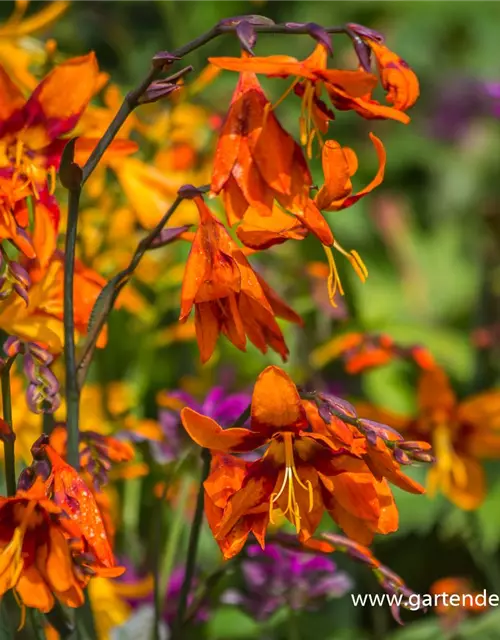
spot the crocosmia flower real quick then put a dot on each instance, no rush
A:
(461, 433)
(227, 294)
(305, 470)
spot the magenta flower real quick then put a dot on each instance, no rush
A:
(278, 577)
(222, 407)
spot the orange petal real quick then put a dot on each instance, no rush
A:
(66, 91)
(337, 172)
(253, 496)
(34, 591)
(59, 564)
(312, 218)
(355, 83)
(278, 65)
(379, 176)
(12, 96)
(275, 402)
(208, 328)
(259, 232)
(369, 109)
(435, 395)
(472, 494)
(207, 433)
(398, 79)
(235, 204)
(117, 149)
(273, 153)
(278, 305)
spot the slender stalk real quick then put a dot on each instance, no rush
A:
(113, 288)
(72, 389)
(8, 440)
(174, 536)
(192, 550)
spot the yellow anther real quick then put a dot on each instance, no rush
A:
(334, 283)
(291, 476)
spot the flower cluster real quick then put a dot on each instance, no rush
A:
(284, 453)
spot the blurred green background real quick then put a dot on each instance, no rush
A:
(429, 235)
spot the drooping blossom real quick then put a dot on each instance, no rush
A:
(228, 296)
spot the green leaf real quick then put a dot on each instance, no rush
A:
(231, 623)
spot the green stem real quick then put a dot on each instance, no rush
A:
(8, 440)
(72, 389)
(293, 625)
(174, 536)
(58, 619)
(192, 550)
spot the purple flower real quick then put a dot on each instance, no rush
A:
(460, 102)
(224, 409)
(138, 592)
(278, 577)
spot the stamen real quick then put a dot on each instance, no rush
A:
(22, 607)
(19, 152)
(292, 507)
(286, 94)
(333, 277)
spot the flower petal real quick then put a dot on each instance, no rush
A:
(276, 403)
(207, 433)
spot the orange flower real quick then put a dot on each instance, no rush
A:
(31, 130)
(41, 319)
(461, 434)
(303, 471)
(13, 192)
(258, 163)
(339, 165)
(227, 294)
(43, 553)
(69, 491)
(399, 81)
(311, 75)
(35, 556)
(468, 598)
